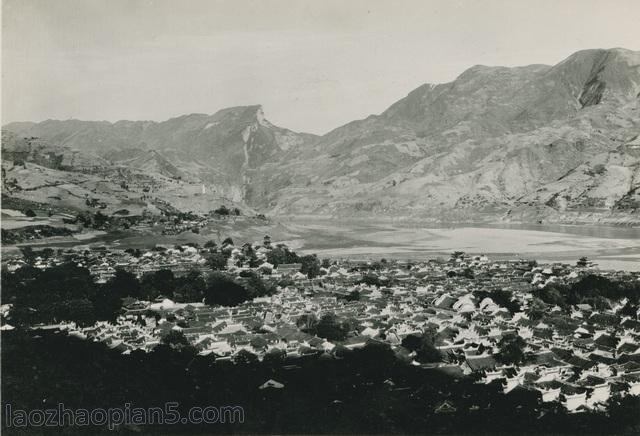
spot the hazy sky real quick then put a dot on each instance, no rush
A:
(313, 65)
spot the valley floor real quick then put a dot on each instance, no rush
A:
(611, 247)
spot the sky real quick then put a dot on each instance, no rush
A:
(313, 65)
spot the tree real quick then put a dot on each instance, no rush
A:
(124, 284)
(375, 359)
(274, 357)
(258, 343)
(217, 261)
(372, 280)
(266, 241)
(630, 310)
(536, 310)
(331, 328)
(282, 254)
(244, 357)
(353, 296)
(427, 351)
(222, 289)
(80, 310)
(211, 245)
(30, 213)
(190, 287)
(135, 252)
(457, 255)
(412, 342)
(307, 322)
(157, 283)
(28, 254)
(100, 220)
(310, 266)
(501, 297)
(583, 262)
(222, 210)
(255, 286)
(624, 413)
(468, 273)
(249, 255)
(176, 340)
(511, 349)
(107, 304)
(61, 293)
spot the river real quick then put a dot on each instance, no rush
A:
(610, 247)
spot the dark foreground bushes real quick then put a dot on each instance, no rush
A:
(363, 391)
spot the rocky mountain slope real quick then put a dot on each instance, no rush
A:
(551, 143)
(562, 139)
(220, 149)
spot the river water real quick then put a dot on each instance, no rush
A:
(610, 247)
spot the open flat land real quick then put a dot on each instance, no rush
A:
(611, 248)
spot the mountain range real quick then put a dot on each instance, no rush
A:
(534, 143)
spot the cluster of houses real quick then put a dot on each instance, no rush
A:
(103, 262)
(579, 358)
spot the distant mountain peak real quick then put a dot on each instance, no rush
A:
(548, 138)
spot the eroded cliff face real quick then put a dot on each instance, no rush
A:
(526, 143)
(222, 150)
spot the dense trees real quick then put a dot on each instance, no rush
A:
(190, 287)
(373, 280)
(256, 287)
(222, 210)
(217, 261)
(65, 292)
(158, 283)
(124, 284)
(511, 349)
(266, 241)
(330, 327)
(224, 290)
(310, 264)
(591, 289)
(412, 342)
(28, 254)
(29, 233)
(536, 309)
(320, 395)
(307, 322)
(68, 292)
(501, 297)
(424, 346)
(281, 254)
(176, 340)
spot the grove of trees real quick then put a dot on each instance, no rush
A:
(68, 292)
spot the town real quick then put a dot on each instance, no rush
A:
(570, 334)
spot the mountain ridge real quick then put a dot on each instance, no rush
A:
(495, 140)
